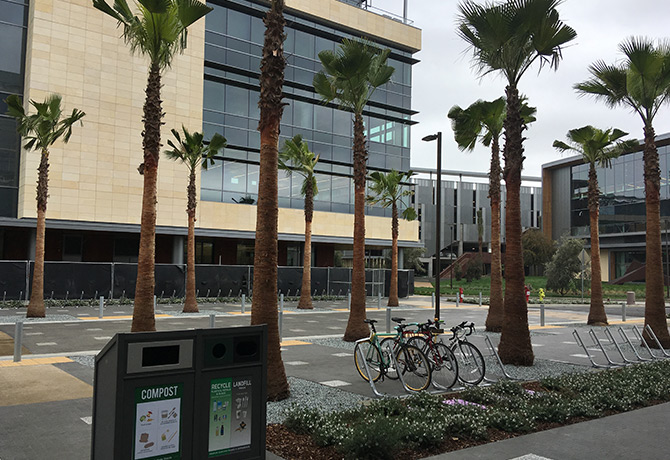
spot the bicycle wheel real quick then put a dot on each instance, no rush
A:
(415, 368)
(444, 366)
(366, 351)
(420, 342)
(392, 345)
(471, 367)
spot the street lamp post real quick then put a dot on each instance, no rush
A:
(438, 218)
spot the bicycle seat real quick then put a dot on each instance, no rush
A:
(397, 319)
(370, 321)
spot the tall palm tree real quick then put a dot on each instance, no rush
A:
(352, 73)
(597, 147)
(264, 303)
(387, 189)
(509, 38)
(483, 121)
(41, 130)
(159, 32)
(193, 153)
(642, 83)
(296, 157)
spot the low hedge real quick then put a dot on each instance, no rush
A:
(389, 425)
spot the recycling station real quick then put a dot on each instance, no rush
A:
(193, 394)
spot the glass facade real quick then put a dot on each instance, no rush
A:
(13, 20)
(233, 46)
(622, 202)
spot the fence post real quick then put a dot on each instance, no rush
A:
(18, 337)
(102, 306)
(242, 306)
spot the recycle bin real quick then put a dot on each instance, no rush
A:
(230, 393)
(195, 394)
(142, 396)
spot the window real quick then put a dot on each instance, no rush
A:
(72, 248)
(126, 249)
(204, 252)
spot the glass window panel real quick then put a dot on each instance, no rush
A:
(239, 25)
(254, 140)
(11, 40)
(340, 189)
(342, 123)
(342, 154)
(323, 118)
(234, 176)
(11, 12)
(257, 30)
(289, 42)
(304, 44)
(210, 195)
(254, 110)
(618, 178)
(236, 136)
(323, 183)
(9, 138)
(238, 58)
(216, 19)
(323, 44)
(210, 129)
(306, 77)
(212, 176)
(252, 179)
(213, 95)
(283, 184)
(237, 101)
(236, 121)
(302, 114)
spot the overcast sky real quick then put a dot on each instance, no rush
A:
(445, 78)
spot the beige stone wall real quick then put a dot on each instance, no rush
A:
(230, 216)
(355, 18)
(77, 51)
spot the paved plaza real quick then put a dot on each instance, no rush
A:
(45, 402)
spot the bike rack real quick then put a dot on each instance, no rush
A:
(500, 363)
(644, 342)
(580, 343)
(608, 333)
(653, 336)
(596, 341)
(630, 344)
(367, 370)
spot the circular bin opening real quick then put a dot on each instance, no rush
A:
(219, 350)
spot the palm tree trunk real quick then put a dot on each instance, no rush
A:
(190, 302)
(356, 328)
(36, 305)
(654, 307)
(305, 291)
(494, 319)
(264, 299)
(143, 312)
(597, 315)
(393, 289)
(515, 347)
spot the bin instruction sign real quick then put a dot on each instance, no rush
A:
(229, 415)
(157, 422)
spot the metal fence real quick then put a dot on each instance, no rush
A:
(87, 280)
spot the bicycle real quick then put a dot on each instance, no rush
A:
(443, 361)
(471, 366)
(412, 363)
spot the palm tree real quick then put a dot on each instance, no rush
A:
(41, 130)
(483, 121)
(642, 83)
(352, 73)
(509, 38)
(296, 157)
(159, 32)
(387, 189)
(597, 147)
(264, 303)
(193, 153)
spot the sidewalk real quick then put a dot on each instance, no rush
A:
(45, 403)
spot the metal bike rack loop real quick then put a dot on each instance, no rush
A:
(608, 333)
(495, 353)
(630, 344)
(653, 336)
(597, 342)
(579, 341)
(636, 331)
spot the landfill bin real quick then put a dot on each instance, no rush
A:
(195, 394)
(230, 401)
(142, 397)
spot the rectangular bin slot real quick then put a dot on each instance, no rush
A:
(246, 349)
(160, 356)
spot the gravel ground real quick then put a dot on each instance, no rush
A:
(49, 318)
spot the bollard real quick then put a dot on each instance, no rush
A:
(242, 306)
(281, 302)
(388, 320)
(480, 298)
(432, 301)
(379, 301)
(18, 337)
(154, 303)
(281, 322)
(81, 296)
(541, 314)
(207, 296)
(349, 297)
(218, 294)
(458, 298)
(623, 312)
(212, 320)
(102, 306)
